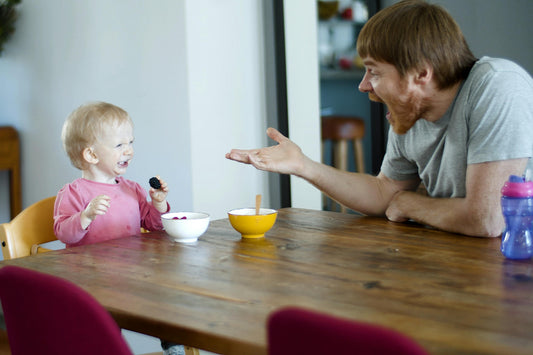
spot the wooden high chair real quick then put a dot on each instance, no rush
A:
(10, 160)
(342, 130)
(28, 230)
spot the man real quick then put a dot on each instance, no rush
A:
(458, 124)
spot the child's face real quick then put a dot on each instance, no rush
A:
(114, 151)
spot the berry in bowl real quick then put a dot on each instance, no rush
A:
(185, 227)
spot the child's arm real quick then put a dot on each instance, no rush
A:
(97, 206)
(71, 204)
(159, 196)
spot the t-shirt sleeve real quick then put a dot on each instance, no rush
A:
(501, 117)
(67, 211)
(395, 165)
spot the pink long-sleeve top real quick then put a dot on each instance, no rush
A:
(129, 211)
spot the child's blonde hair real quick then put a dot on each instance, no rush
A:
(84, 126)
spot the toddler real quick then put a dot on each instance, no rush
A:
(102, 205)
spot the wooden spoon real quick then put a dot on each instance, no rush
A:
(257, 203)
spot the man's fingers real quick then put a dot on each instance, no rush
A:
(274, 134)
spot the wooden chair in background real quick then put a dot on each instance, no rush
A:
(343, 131)
(10, 160)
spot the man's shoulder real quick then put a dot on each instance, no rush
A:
(492, 66)
(494, 77)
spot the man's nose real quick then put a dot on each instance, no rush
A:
(364, 85)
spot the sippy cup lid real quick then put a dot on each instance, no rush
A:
(517, 186)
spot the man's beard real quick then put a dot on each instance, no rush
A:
(403, 116)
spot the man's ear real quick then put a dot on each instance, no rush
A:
(90, 156)
(424, 74)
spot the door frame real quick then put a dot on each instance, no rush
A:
(279, 94)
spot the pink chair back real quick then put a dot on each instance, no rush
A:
(48, 315)
(293, 330)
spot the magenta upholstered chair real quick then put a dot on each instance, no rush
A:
(293, 330)
(47, 315)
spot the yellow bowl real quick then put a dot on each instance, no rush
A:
(250, 225)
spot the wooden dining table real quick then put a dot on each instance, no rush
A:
(453, 294)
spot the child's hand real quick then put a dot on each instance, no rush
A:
(159, 196)
(97, 206)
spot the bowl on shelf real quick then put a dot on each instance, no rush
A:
(251, 225)
(185, 227)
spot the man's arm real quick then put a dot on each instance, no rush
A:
(477, 214)
(364, 193)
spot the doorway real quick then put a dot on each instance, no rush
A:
(280, 16)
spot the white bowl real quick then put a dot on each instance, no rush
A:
(188, 229)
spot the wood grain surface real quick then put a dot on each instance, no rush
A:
(453, 294)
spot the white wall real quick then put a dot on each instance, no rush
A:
(65, 53)
(303, 101)
(496, 28)
(189, 73)
(226, 87)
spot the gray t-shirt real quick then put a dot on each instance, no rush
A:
(490, 119)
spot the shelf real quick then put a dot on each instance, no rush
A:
(341, 74)
(335, 21)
